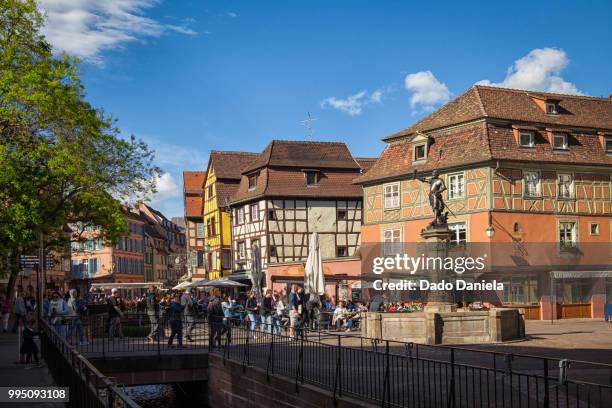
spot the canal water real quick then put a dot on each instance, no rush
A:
(162, 396)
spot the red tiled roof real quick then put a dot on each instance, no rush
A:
(466, 145)
(481, 101)
(291, 182)
(229, 165)
(365, 162)
(225, 191)
(306, 154)
(193, 181)
(193, 206)
(483, 141)
(281, 171)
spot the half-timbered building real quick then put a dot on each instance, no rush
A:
(290, 190)
(223, 175)
(521, 168)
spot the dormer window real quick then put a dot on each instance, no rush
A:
(526, 139)
(608, 145)
(312, 177)
(552, 108)
(560, 141)
(420, 152)
(253, 181)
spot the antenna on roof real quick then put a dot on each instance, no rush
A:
(308, 124)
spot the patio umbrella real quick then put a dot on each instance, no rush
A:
(218, 283)
(256, 273)
(314, 281)
(199, 283)
(182, 285)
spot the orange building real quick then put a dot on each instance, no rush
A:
(93, 261)
(528, 174)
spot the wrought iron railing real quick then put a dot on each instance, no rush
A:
(88, 387)
(388, 373)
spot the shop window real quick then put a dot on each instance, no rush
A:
(520, 290)
(573, 291)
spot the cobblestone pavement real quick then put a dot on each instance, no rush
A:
(14, 374)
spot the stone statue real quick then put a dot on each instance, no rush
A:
(436, 188)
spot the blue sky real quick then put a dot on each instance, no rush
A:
(191, 76)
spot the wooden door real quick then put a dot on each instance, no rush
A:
(572, 311)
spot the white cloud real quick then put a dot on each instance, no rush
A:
(167, 188)
(376, 96)
(426, 90)
(353, 104)
(540, 70)
(231, 14)
(85, 28)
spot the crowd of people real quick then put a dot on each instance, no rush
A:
(63, 312)
(173, 315)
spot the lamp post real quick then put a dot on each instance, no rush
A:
(490, 231)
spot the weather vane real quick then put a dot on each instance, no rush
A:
(308, 124)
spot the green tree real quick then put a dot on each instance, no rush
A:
(61, 160)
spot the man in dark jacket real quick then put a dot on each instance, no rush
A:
(175, 312)
(152, 307)
(215, 317)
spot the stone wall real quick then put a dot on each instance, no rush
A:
(463, 327)
(232, 386)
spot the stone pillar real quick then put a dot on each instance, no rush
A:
(437, 239)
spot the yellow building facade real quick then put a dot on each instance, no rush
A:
(222, 180)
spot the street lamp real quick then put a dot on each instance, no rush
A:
(490, 231)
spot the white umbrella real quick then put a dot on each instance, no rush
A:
(182, 285)
(256, 273)
(314, 281)
(198, 283)
(219, 283)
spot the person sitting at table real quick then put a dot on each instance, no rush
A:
(355, 316)
(328, 304)
(340, 315)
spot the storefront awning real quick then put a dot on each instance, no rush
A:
(580, 274)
